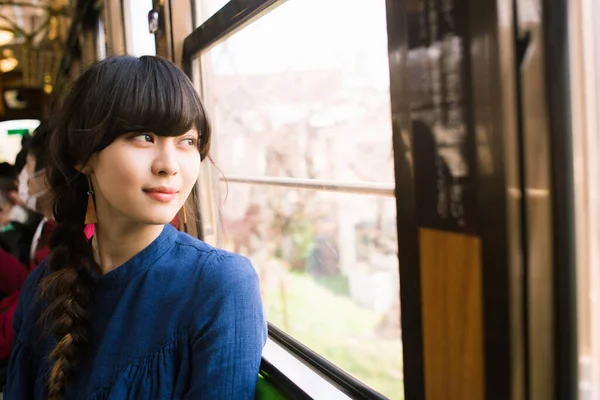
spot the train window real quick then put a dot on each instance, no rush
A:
(139, 41)
(209, 209)
(100, 40)
(585, 108)
(206, 9)
(303, 137)
(11, 133)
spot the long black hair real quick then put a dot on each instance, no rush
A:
(116, 96)
(37, 145)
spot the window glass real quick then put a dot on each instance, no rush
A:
(585, 78)
(206, 8)
(328, 268)
(139, 40)
(317, 98)
(594, 290)
(11, 134)
(100, 40)
(312, 105)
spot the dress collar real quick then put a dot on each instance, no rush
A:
(140, 262)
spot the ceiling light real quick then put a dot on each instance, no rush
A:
(6, 36)
(13, 100)
(52, 28)
(8, 62)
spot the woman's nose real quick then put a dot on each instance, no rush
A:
(166, 162)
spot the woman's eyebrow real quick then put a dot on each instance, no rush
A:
(190, 133)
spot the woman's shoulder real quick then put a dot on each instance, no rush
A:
(211, 266)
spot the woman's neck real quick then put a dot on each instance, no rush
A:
(114, 245)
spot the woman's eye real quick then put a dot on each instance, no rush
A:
(190, 141)
(144, 137)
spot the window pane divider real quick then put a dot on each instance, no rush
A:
(363, 188)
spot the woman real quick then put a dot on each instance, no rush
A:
(141, 310)
(13, 270)
(11, 209)
(25, 245)
(27, 241)
(7, 190)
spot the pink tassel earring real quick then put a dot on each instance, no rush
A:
(90, 212)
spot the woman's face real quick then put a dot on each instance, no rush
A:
(144, 178)
(37, 192)
(5, 208)
(35, 182)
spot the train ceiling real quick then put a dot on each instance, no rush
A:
(32, 41)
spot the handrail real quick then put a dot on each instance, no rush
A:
(367, 188)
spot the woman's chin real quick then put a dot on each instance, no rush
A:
(159, 218)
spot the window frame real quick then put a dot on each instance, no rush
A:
(230, 19)
(128, 31)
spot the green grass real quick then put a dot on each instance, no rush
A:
(340, 330)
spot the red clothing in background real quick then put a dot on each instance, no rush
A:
(12, 277)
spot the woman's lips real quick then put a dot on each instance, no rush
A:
(162, 194)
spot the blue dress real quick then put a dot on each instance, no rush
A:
(180, 320)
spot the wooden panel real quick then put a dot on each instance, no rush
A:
(113, 24)
(452, 315)
(2, 111)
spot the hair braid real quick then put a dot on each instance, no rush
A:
(68, 288)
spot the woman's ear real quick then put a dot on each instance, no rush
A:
(86, 168)
(80, 167)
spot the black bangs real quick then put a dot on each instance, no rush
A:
(157, 97)
(147, 94)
